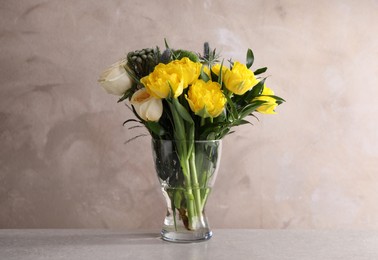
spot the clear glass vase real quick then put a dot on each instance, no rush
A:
(186, 171)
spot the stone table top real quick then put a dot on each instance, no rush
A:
(226, 244)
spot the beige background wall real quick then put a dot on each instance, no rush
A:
(63, 161)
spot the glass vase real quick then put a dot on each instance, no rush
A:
(186, 172)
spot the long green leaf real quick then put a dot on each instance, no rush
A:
(248, 109)
(234, 112)
(166, 43)
(177, 199)
(135, 137)
(220, 78)
(255, 91)
(131, 120)
(278, 99)
(182, 111)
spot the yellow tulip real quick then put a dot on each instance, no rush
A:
(216, 69)
(176, 75)
(206, 98)
(147, 107)
(270, 103)
(239, 79)
(160, 82)
(189, 70)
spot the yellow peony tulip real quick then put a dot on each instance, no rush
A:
(161, 80)
(206, 98)
(178, 75)
(190, 70)
(216, 69)
(270, 103)
(239, 79)
(147, 107)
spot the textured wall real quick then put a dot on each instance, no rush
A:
(63, 161)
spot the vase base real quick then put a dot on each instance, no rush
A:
(186, 237)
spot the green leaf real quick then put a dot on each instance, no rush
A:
(155, 128)
(131, 74)
(254, 117)
(250, 58)
(255, 91)
(135, 126)
(241, 122)
(234, 112)
(179, 54)
(125, 96)
(220, 78)
(135, 137)
(203, 113)
(248, 109)
(177, 199)
(182, 111)
(204, 76)
(278, 99)
(131, 120)
(260, 71)
(228, 132)
(166, 43)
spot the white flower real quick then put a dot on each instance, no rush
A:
(147, 107)
(115, 79)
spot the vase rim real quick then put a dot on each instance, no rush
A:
(187, 140)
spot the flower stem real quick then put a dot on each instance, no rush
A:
(195, 184)
(189, 191)
(184, 151)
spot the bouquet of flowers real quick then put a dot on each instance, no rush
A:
(188, 97)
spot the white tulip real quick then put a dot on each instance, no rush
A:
(147, 107)
(115, 80)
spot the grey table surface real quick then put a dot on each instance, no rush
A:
(225, 244)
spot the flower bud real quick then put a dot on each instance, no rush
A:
(239, 79)
(146, 106)
(115, 80)
(270, 103)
